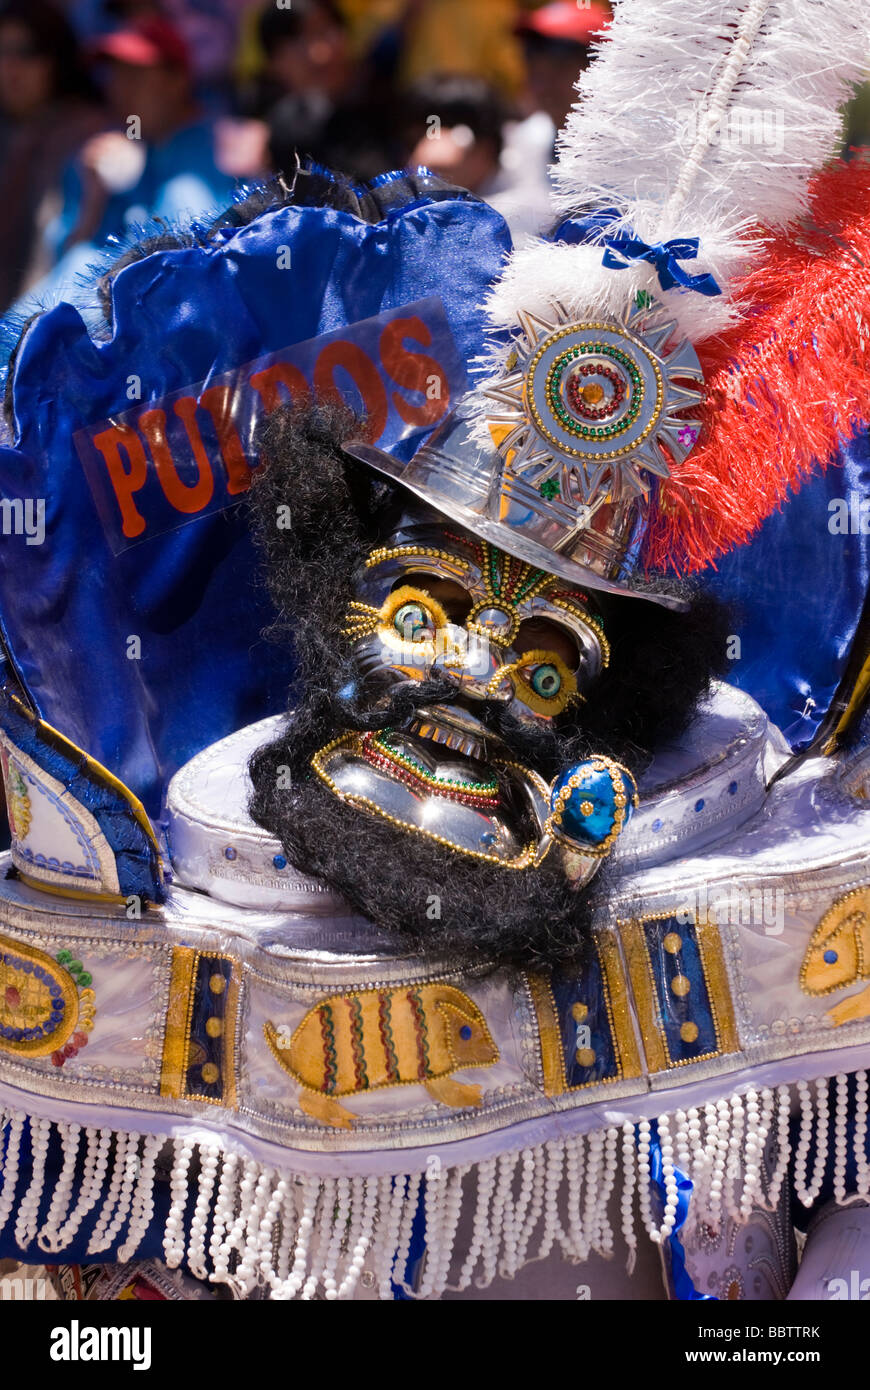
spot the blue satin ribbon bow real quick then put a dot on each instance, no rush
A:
(623, 249)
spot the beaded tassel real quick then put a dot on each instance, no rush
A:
(306, 1237)
(63, 1188)
(9, 1165)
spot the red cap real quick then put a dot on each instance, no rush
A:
(149, 43)
(566, 20)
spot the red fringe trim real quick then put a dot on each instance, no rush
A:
(784, 386)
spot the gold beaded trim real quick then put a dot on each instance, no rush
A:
(363, 621)
(579, 453)
(353, 743)
(554, 820)
(396, 552)
(854, 904)
(504, 638)
(619, 1020)
(401, 760)
(596, 628)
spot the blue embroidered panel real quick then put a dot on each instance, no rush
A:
(211, 990)
(591, 1031)
(677, 1010)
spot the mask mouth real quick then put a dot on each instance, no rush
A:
(456, 728)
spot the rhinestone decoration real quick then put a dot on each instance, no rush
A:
(596, 409)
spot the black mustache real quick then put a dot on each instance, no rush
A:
(548, 749)
(395, 712)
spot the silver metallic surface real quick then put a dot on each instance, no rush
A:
(503, 832)
(588, 532)
(470, 653)
(730, 741)
(769, 884)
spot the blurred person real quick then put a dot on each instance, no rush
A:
(316, 99)
(306, 55)
(475, 38)
(556, 41)
(160, 160)
(453, 125)
(47, 109)
(210, 28)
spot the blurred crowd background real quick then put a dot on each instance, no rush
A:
(114, 112)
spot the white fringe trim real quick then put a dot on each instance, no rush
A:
(243, 1223)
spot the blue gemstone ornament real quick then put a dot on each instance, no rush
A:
(584, 803)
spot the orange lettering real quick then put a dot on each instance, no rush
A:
(184, 497)
(218, 401)
(124, 481)
(268, 383)
(366, 378)
(413, 371)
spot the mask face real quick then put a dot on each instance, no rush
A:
(442, 604)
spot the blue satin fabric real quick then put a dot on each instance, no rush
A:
(676, 1010)
(69, 606)
(799, 592)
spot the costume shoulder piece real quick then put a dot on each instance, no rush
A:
(519, 914)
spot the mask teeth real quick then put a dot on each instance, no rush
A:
(450, 738)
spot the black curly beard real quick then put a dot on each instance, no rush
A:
(438, 902)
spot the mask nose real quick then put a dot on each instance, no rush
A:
(474, 661)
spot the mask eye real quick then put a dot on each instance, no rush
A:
(545, 680)
(410, 616)
(413, 622)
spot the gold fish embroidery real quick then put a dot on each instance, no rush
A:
(838, 955)
(350, 1043)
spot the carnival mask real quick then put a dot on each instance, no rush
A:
(441, 604)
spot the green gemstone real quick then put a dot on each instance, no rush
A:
(75, 966)
(63, 957)
(85, 979)
(549, 488)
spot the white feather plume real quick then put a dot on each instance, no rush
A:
(697, 118)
